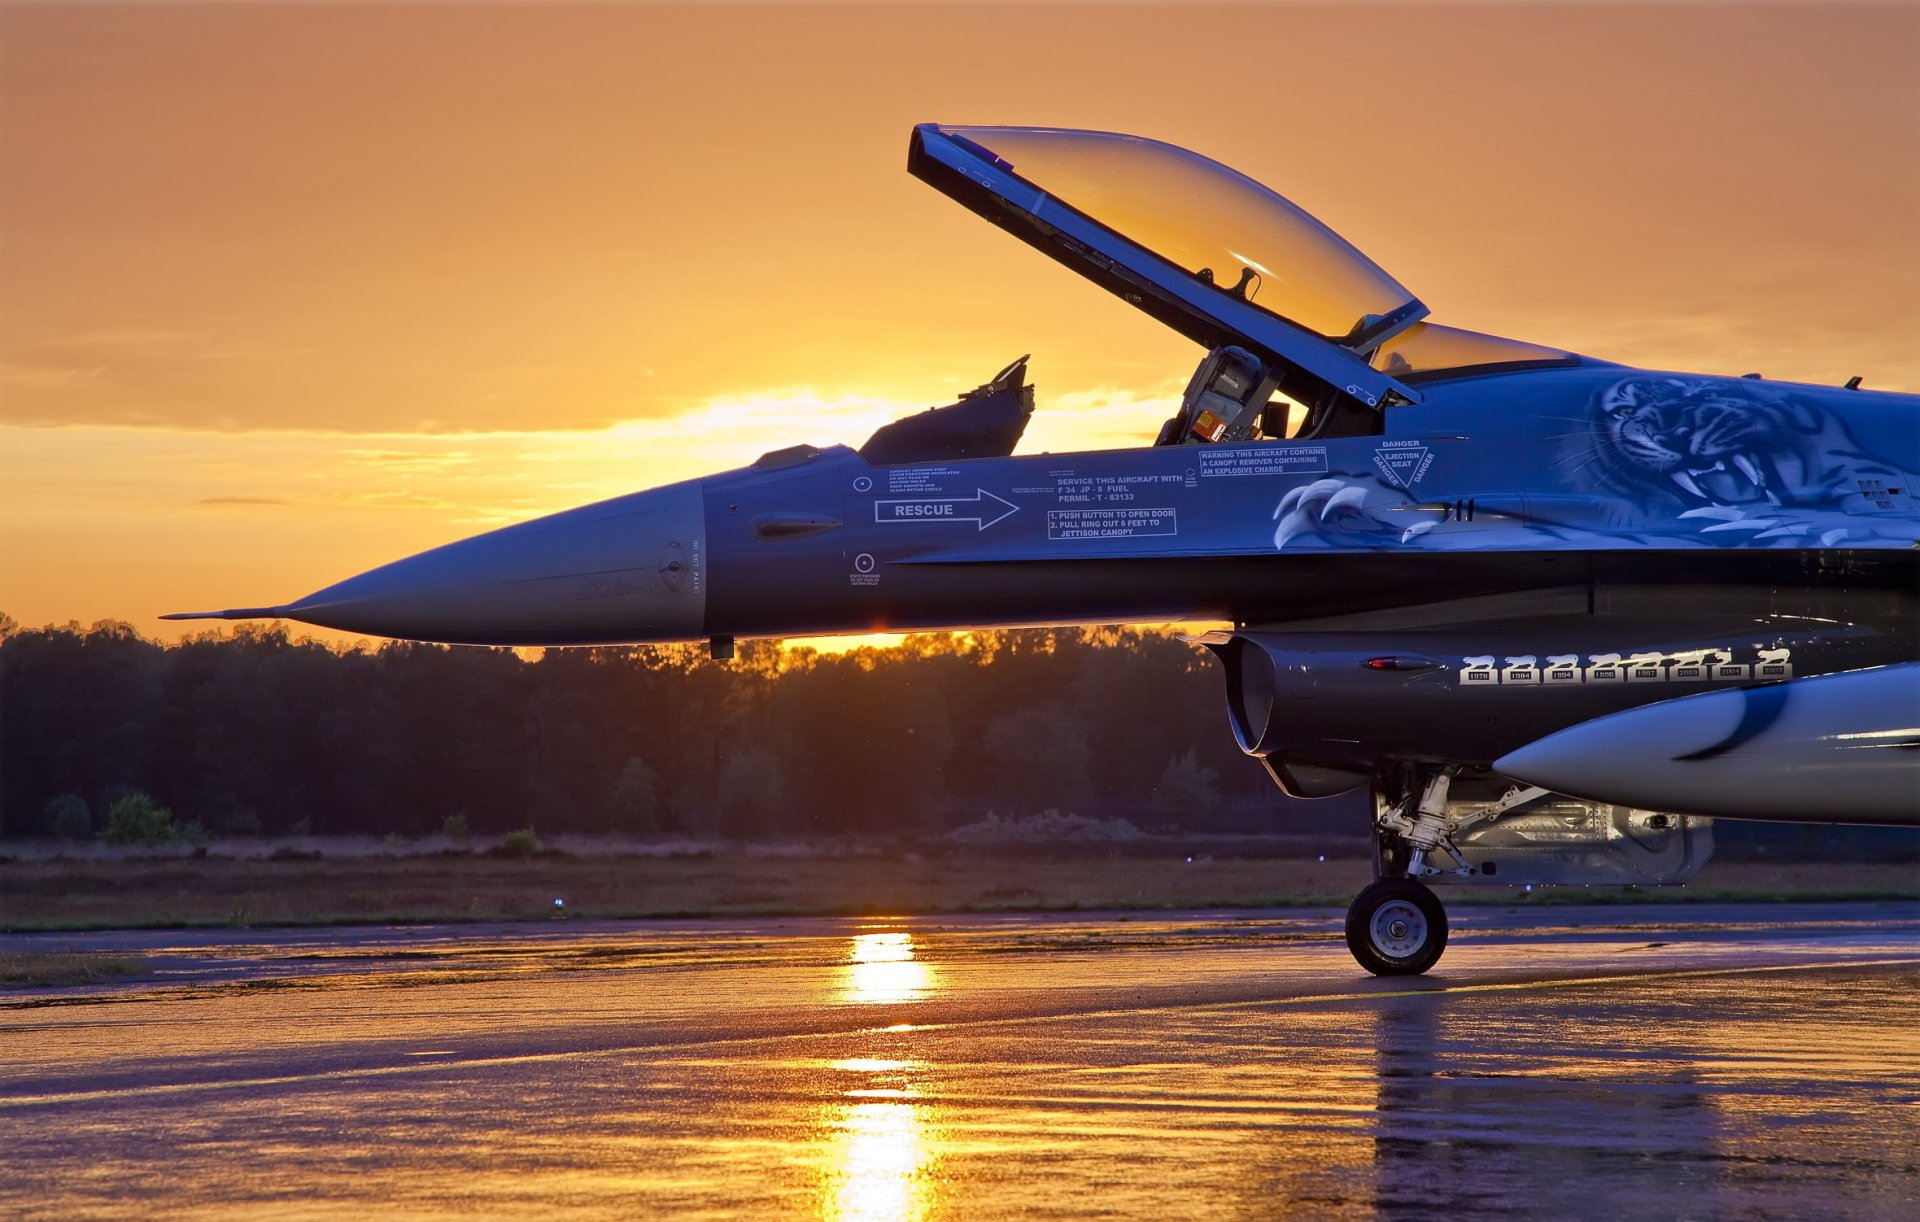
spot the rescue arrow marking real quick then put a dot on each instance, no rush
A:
(987, 509)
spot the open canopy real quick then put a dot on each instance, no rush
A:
(1209, 220)
(1202, 247)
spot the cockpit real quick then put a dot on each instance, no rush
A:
(1305, 336)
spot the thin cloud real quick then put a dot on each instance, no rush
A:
(407, 460)
(391, 500)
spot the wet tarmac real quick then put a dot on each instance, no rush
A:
(1688, 1061)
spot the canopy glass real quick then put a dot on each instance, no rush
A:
(1208, 219)
(1428, 348)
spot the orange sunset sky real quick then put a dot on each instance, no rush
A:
(288, 291)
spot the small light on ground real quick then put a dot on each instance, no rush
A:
(559, 903)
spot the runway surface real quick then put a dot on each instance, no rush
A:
(1686, 1061)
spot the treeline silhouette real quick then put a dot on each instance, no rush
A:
(260, 733)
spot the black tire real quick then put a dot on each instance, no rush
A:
(1396, 927)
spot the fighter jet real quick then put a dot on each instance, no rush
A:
(1553, 613)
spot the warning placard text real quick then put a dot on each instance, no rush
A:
(1110, 523)
(1264, 460)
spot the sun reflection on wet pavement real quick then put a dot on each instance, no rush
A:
(878, 1168)
(919, 1070)
(881, 970)
(880, 1160)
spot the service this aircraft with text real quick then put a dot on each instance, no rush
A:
(1554, 612)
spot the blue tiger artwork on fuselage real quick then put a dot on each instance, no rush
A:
(1650, 459)
(1552, 613)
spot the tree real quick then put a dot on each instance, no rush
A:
(253, 728)
(138, 819)
(1187, 787)
(751, 795)
(633, 806)
(1041, 757)
(78, 711)
(864, 738)
(66, 816)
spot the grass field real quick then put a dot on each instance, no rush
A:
(131, 892)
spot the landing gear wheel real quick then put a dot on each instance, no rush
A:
(1396, 927)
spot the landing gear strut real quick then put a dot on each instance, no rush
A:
(1396, 927)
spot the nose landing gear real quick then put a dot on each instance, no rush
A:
(1396, 927)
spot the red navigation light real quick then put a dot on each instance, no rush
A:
(1401, 662)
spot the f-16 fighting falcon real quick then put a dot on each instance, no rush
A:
(1555, 614)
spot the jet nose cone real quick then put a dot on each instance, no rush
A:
(628, 569)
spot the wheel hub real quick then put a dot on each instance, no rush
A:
(1399, 929)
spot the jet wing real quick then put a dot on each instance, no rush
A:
(1199, 246)
(1841, 748)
